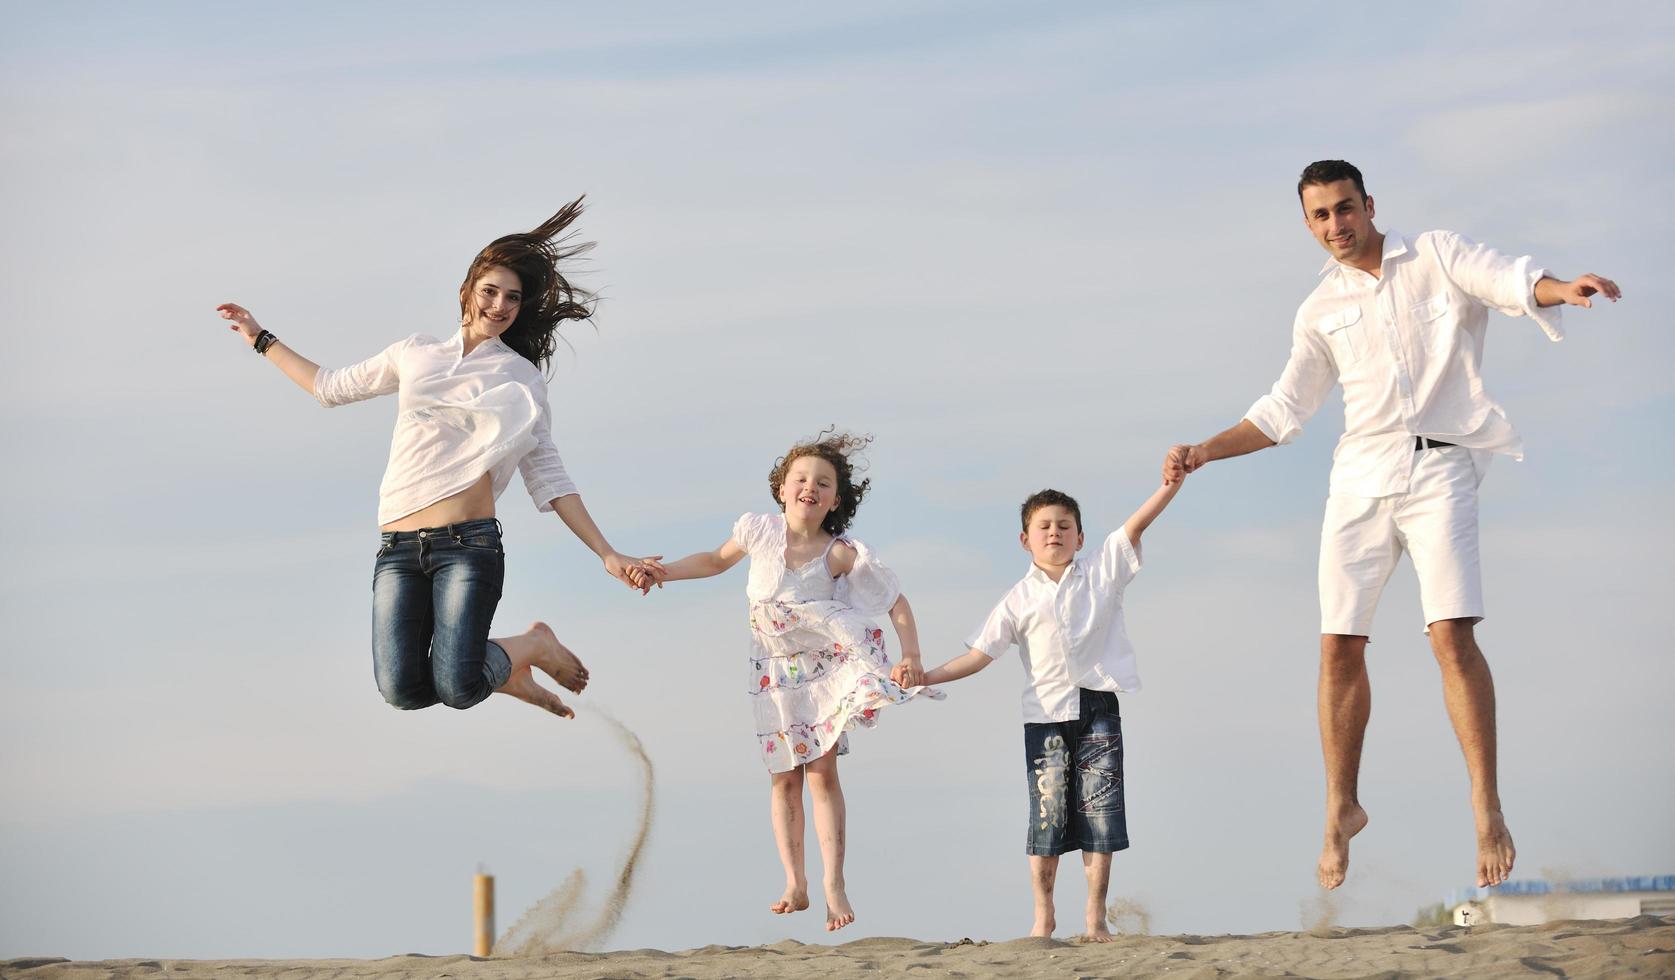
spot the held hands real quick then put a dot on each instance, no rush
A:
(909, 672)
(1577, 291)
(636, 573)
(240, 319)
(1182, 460)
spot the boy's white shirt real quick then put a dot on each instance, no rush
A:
(1070, 634)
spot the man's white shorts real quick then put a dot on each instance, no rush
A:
(1435, 522)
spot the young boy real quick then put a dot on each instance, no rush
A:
(1066, 619)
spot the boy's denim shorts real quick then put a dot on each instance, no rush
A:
(1075, 781)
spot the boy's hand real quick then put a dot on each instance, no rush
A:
(909, 673)
(1182, 460)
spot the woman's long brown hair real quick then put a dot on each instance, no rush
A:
(549, 297)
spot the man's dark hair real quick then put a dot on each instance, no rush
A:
(1050, 498)
(1330, 172)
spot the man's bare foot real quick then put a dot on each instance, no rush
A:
(1044, 924)
(1097, 932)
(1334, 855)
(522, 685)
(795, 899)
(556, 659)
(838, 912)
(1494, 850)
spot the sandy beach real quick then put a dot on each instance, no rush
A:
(1640, 947)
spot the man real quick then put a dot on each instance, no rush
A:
(1399, 323)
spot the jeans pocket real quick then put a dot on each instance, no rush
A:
(481, 542)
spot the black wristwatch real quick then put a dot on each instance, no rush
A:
(264, 340)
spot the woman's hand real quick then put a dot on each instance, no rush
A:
(636, 573)
(238, 318)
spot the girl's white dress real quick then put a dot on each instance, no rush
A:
(817, 661)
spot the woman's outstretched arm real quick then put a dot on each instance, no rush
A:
(636, 573)
(296, 367)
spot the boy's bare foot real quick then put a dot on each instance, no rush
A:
(556, 659)
(838, 912)
(522, 685)
(1334, 855)
(794, 900)
(1495, 852)
(1097, 932)
(1044, 924)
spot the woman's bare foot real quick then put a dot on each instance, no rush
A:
(556, 659)
(522, 685)
(1334, 855)
(838, 912)
(795, 899)
(1495, 852)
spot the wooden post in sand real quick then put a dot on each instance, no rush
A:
(482, 907)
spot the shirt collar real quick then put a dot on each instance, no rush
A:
(1037, 575)
(1394, 245)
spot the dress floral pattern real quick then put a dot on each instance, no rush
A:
(818, 664)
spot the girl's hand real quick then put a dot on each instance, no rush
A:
(908, 673)
(240, 319)
(636, 573)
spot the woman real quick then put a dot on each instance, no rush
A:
(472, 408)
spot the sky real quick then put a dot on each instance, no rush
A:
(1022, 246)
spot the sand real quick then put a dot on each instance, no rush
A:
(1638, 947)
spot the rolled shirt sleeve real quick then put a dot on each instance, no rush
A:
(998, 634)
(542, 469)
(379, 374)
(1496, 281)
(1302, 387)
(1119, 560)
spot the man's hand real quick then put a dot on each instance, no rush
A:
(1577, 292)
(1182, 460)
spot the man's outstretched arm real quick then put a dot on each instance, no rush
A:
(1241, 439)
(1576, 292)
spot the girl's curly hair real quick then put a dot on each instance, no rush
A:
(548, 296)
(840, 449)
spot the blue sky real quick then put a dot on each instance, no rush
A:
(1020, 248)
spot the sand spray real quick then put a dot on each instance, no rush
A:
(1129, 917)
(1319, 914)
(557, 922)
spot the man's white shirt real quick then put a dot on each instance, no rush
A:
(1407, 346)
(1070, 634)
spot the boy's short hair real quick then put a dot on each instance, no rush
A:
(1050, 498)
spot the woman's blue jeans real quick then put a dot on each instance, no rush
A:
(433, 597)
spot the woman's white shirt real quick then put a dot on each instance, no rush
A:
(458, 416)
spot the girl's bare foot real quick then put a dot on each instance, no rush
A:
(1495, 852)
(795, 899)
(1334, 855)
(838, 912)
(521, 685)
(556, 659)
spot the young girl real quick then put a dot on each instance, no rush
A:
(817, 662)
(471, 409)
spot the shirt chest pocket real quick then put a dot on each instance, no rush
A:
(1345, 332)
(1432, 322)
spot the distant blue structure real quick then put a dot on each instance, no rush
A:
(1526, 902)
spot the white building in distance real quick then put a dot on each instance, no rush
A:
(1530, 903)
